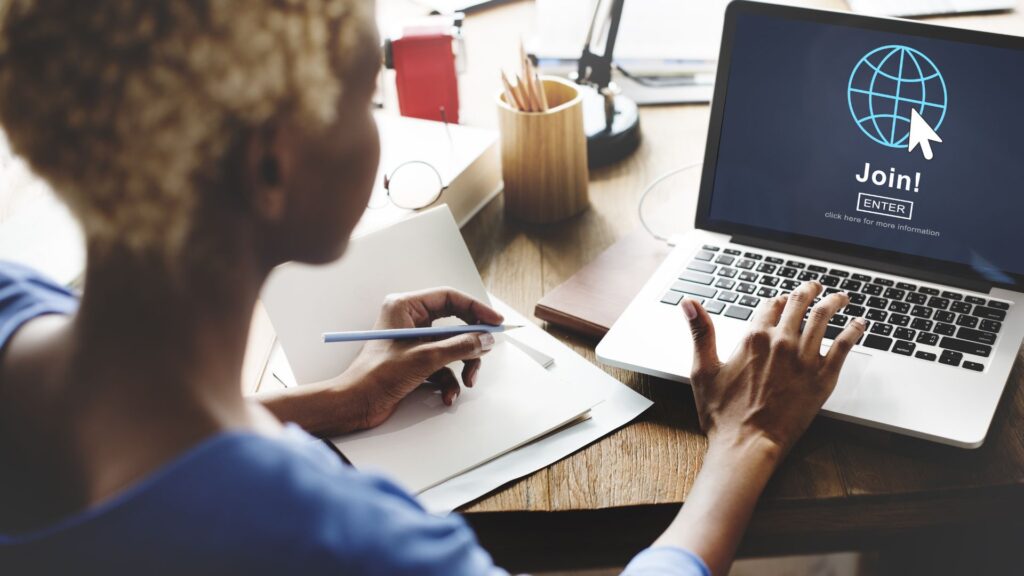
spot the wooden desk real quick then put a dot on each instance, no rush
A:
(843, 487)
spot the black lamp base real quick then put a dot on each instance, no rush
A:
(607, 145)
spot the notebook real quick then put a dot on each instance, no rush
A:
(423, 443)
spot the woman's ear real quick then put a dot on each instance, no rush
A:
(265, 164)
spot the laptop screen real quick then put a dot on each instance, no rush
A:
(833, 129)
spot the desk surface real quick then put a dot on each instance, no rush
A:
(842, 485)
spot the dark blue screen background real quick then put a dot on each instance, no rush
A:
(790, 149)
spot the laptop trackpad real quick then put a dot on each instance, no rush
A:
(854, 372)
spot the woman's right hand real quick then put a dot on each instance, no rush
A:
(777, 380)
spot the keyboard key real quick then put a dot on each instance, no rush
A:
(921, 312)
(696, 277)
(746, 264)
(816, 268)
(728, 297)
(694, 289)
(725, 283)
(725, 260)
(732, 251)
(773, 260)
(748, 277)
(770, 280)
(928, 291)
(832, 281)
(901, 307)
(829, 291)
(710, 247)
(975, 300)
(854, 310)
(998, 305)
(746, 288)
(940, 303)
(876, 315)
(876, 302)
(904, 348)
(974, 366)
(788, 272)
(753, 255)
(767, 268)
(832, 332)
(951, 358)
(838, 320)
(925, 356)
(899, 319)
(807, 276)
(881, 329)
(857, 298)
(978, 336)
(989, 313)
(789, 285)
(795, 264)
(904, 334)
(906, 286)
(714, 306)
(704, 255)
(927, 339)
(861, 277)
(952, 295)
(850, 285)
(969, 321)
(877, 342)
(944, 329)
(965, 346)
(840, 273)
(872, 289)
(767, 292)
(884, 282)
(917, 298)
(728, 272)
(738, 312)
(990, 325)
(921, 324)
(895, 293)
(960, 307)
(945, 316)
(705, 267)
(750, 301)
(673, 298)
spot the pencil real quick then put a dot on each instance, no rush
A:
(510, 94)
(540, 92)
(413, 333)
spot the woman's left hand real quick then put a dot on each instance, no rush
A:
(386, 371)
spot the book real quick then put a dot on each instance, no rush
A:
(590, 301)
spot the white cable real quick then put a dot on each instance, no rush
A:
(651, 186)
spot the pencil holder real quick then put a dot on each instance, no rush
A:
(544, 156)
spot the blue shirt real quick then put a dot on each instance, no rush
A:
(244, 503)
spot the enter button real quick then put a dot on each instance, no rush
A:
(885, 206)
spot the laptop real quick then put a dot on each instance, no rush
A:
(884, 158)
(918, 8)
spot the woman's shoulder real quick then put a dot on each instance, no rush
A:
(26, 294)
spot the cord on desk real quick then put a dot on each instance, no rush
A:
(647, 191)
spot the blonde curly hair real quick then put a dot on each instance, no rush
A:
(129, 108)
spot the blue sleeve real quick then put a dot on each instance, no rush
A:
(666, 561)
(25, 294)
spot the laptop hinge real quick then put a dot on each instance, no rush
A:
(889, 268)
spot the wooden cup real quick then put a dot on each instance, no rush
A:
(544, 156)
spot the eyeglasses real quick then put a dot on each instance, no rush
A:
(415, 184)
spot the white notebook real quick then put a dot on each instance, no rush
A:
(424, 442)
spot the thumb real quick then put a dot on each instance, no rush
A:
(462, 347)
(705, 350)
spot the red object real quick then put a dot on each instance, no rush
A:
(426, 76)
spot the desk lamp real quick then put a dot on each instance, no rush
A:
(611, 120)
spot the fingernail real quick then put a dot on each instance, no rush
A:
(689, 309)
(486, 341)
(861, 323)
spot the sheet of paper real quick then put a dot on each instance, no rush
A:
(425, 443)
(620, 406)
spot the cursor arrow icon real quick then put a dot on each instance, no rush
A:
(921, 134)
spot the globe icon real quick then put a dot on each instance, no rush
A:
(887, 85)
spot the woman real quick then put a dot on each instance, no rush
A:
(201, 143)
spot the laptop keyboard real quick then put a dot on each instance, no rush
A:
(932, 324)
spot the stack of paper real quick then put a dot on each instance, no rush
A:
(449, 455)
